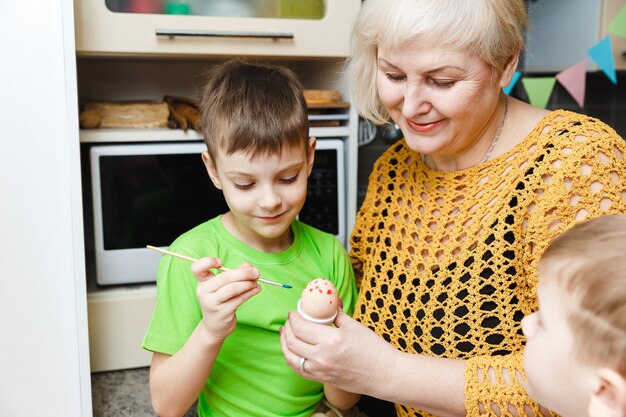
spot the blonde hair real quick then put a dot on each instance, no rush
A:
(257, 108)
(589, 263)
(492, 29)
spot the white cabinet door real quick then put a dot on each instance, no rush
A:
(44, 365)
(560, 33)
(99, 31)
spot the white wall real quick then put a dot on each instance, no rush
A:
(44, 368)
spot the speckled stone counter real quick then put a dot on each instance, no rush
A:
(124, 394)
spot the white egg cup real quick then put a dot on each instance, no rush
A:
(327, 322)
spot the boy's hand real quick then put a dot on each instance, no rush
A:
(220, 295)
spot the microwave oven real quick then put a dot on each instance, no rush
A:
(150, 193)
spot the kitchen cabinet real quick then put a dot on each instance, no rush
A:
(120, 58)
(560, 34)
(101, 31)
(610, 9)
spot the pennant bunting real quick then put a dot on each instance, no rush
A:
(573, 79)
(618, 24)
(602, 54)
(508, 88)
(539, 90)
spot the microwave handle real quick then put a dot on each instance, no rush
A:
(223, 34)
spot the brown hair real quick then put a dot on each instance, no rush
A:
(589, 263)
(492, 29)
(257, 108)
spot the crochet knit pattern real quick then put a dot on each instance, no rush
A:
(446, 261)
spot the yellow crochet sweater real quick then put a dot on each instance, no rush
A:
(446, 260)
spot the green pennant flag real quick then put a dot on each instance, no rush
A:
(539, 90)
(618, 24)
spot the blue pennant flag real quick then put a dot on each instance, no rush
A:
(602, 54)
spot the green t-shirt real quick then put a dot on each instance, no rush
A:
(250, 376)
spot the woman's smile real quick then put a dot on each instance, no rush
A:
(424, 127)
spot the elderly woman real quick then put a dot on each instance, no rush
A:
(456, 214)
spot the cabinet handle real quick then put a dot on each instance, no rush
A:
(223, 34)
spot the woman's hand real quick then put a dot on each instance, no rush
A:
(349, 356)
(221, 294)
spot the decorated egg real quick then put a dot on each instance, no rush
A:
(319, 301)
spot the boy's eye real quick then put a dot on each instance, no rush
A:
(289, 180)
(243, 186)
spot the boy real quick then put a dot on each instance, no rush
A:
(575, 355)
(215, 336)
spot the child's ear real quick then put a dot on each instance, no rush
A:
(211, 170)
(311, 154)
(609, 400)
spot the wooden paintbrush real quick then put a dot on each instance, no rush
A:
(187, 258)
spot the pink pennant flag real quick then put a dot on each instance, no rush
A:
(573, 80)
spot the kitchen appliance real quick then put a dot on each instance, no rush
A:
(150, 193)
